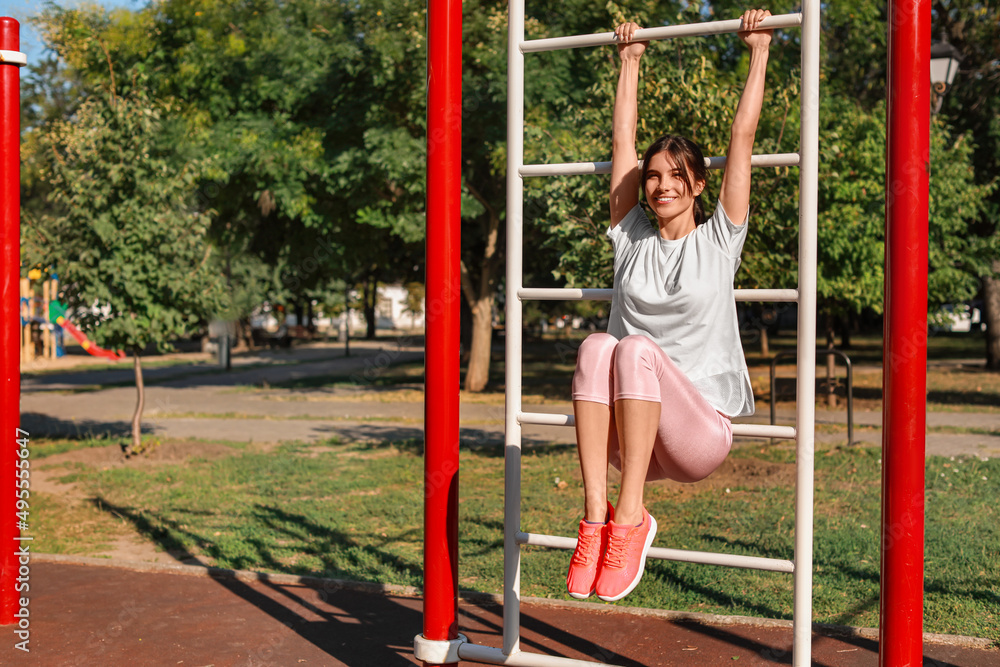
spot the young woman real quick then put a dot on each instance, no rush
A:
(655, 394)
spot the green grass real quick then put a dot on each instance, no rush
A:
(867, 348)
(354, 511)
(124, 364)
(71, 528)
(45, 447)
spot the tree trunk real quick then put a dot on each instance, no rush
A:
(478, 374)
(991, 315)
(370, 297)
(347, 321)
(765, 347)
(846, 325)
(480, 297)
(132, 448)
(244, 334)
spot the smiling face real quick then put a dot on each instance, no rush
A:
(669, 188)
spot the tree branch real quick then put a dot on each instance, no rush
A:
(111, 69)
(468, 289)
(491, 254)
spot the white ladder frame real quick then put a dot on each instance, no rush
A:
(805, 295)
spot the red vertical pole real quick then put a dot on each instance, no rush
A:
(10, 295)
(905, 347)
(444, 178)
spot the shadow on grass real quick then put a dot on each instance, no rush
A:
(161, 531)
(484, 443)
(963, 398)
(338, 551)
(969, 590)
(784, 388)
(783, 552)
(42, 425)
(365, 638)
(483, 547)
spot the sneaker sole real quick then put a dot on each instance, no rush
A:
(642, 564)
(580, 596)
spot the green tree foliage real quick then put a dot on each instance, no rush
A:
(122, 231)
(308, 121)
(288, 100)
(688, 87)
(691, 87)
(972, 106)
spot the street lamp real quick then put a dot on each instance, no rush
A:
(944, 66)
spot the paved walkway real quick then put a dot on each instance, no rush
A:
(203, 402)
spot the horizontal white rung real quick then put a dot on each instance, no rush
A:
(703, 557)
(769, 295)
(584, 168)
(13, 57)
(764, 431)
(663, 32)
(545, 418)
(563, 294)
(575, 294)
(748, 430)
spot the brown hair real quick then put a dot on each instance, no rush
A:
(683, 151)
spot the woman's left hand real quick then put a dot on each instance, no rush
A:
(748, 32)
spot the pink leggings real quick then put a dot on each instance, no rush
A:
(692, 440)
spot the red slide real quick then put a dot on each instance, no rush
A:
(86, 343)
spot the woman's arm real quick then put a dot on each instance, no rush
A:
(624, 161)
(735, 192)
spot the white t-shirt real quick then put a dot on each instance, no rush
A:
(680, 294)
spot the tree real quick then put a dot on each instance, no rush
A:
(692, 86)
(972, 106)
(285, 99)
(122, 231)
(556, 84)
(415, 293)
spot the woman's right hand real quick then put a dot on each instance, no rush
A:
(626, 47)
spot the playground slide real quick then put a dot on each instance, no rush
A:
(86, 343)
(57, 314)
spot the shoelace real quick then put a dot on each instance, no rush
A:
(618, 549)
(585, 548)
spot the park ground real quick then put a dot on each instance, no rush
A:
(306, 463)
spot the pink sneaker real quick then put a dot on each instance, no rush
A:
(625, 558)
(592, 539)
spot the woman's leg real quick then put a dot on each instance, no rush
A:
(692, 439)
(593, 426)
(637, 416)
(594, 423)
(665, 429)
(637, 421)
(637, 412)
(592, 407)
